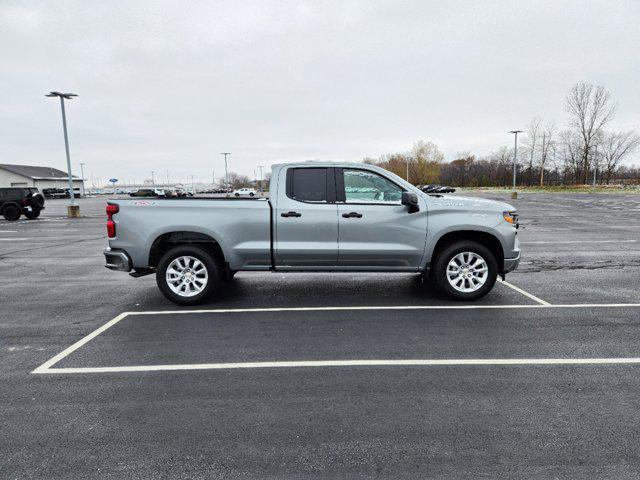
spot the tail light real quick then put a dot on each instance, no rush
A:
(111, 225)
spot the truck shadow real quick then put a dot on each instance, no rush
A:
(273, 290)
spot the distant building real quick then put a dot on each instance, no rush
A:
(40, 177)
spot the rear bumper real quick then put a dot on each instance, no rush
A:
(117, 260)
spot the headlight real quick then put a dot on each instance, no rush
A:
(510, 217)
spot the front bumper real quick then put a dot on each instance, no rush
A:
(117, 260)
(510, 264)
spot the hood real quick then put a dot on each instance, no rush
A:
(468, 203)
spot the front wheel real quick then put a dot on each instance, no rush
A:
(187, 275)
(465, 270)
(32, 215)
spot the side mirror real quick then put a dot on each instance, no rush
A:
(411, 200)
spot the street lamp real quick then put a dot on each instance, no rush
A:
(226, 173)
(73, 210)
(153, 179)
(514, 194)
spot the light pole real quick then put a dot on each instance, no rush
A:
(407, 169)
(260, 167)
(514, 194)
(82, 174)
(193, 188)
(153, 179)
(73, 210)
(226, 173)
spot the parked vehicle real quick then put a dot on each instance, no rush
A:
(241, 192)
(434, 188)
(147, 192)
(53, 193)
(170, 193)
(319, 217)
(17, 201)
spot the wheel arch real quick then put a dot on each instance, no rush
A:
(8, 204)
(168, 240)
(489, 240)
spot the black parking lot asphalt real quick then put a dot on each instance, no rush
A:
(521, 420)
(246, 338)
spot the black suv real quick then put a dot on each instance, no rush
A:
(16, 201)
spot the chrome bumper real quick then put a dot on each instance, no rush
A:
(117, 260)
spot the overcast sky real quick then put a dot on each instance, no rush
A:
(166, 86)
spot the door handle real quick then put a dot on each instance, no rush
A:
(291, 214)
(352, 215)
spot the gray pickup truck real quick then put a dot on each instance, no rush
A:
(319, 217)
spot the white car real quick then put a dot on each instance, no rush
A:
(251, 192)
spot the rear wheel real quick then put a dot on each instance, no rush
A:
(11, 213)
(32, 215)
(187, 275)
(465, 270)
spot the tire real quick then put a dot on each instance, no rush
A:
(11, 213)
(38, 199)
(252, 194)
(181, 260)
(33, 214)
(466, 284)
(237, 194)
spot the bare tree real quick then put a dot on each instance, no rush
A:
(423, 163)
(571, 151)
(615, 147)
(547, 147)
(531, 145)
(235, 181)
(590, 109)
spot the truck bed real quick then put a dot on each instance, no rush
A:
(241, 226)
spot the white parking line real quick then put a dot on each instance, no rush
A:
(385, 307)
(46, 367)
(577, 241)
(348, 363)
(526, 294)
(68, 351)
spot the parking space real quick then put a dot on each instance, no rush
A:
(330, 337)
(359, 375)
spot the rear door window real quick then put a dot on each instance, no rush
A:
(309, 185)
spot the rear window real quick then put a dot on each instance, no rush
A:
(11, 193)
(307, 184)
